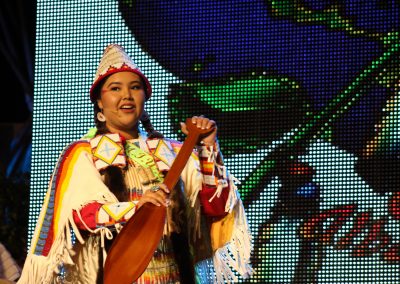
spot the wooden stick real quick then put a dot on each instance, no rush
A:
(135, 245)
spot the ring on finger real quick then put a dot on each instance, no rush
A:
(155, 188)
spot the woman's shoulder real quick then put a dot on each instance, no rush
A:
(83, 142)
(78, 143)
(77, 146)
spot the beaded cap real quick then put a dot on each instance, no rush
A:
(115, 60)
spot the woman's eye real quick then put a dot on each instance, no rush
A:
(115, 89)
(136, 87)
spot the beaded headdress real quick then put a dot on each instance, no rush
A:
(115, 60)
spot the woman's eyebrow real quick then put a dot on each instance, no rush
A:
(114, 82)
(120, 83)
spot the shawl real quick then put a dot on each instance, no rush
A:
(76, 182)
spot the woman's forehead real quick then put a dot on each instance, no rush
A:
(124, 76)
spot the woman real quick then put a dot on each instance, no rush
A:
(101, 180)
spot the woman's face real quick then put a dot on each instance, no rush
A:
(121, 99)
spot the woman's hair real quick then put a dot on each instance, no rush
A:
(113, 176)
(145, 119)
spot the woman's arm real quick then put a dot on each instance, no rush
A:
(95, 215)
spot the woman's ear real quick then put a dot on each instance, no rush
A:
(99, 104)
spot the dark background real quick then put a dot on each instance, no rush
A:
(17, 46)
(17, 49)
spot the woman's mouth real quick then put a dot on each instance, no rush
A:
(127, 108)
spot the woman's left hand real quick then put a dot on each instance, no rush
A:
(204, 123)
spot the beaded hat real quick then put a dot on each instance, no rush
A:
(115, 60)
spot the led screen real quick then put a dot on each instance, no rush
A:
(305, 94)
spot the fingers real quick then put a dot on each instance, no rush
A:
(158, 187)
(184, 128)
(164, 188)
(157, 195)
(203, 122)
(153, 198)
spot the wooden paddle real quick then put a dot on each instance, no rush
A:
(134, 246)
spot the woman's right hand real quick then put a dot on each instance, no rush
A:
(157, 195)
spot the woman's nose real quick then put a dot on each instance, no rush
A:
(127, 94)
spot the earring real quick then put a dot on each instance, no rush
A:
(101, 117)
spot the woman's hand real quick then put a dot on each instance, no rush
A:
(204, 123)
(157, 195)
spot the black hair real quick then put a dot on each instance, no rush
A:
(114, 176)
(145, 119)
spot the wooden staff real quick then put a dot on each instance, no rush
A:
(136, 243)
